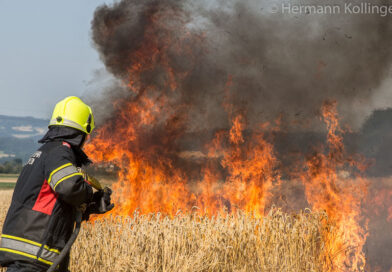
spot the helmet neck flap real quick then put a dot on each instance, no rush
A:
(74, 137)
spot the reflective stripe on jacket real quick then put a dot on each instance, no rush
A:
(27, 248)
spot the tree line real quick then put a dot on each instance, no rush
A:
(13, 166)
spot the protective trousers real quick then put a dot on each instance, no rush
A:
(20, 266)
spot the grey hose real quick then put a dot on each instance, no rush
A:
(69, 244)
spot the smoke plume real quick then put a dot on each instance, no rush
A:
(279, 63)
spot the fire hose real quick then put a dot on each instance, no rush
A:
(104, 207)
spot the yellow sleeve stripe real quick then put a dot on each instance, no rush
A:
(26, 255)
(67, 177)
(21, 239)
(56, 170)
(29, 242)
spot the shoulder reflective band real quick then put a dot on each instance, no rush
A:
(67, 122)
(62, 173)
(27, 248)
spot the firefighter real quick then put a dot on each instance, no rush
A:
(49, 191)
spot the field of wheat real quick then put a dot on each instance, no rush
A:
(279, 242)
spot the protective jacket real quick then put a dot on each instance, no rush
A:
(40, 219)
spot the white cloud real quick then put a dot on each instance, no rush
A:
(23, 128)
(36, 131)
(22, 136)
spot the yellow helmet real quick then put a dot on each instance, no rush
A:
(73, 112)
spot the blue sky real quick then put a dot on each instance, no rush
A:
(46, 53)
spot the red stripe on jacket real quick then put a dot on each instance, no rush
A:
(46, 199)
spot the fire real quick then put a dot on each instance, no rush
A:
(340, 197)
(238, 169)
(251, 171)
(150, 183)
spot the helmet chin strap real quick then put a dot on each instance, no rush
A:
(84, 139)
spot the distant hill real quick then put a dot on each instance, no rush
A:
(19, 136)
(22, 127)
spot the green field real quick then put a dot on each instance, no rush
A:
(7, 185)
(7, 181)
(8, 176)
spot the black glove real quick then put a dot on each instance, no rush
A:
(100, 204)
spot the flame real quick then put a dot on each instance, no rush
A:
(251, 172)
(326, 189)
(150, 183)
(239, 167)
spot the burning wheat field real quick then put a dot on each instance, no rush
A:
(233, 132)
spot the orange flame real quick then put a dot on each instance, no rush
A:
(327, 188)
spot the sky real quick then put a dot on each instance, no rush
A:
(46, 53)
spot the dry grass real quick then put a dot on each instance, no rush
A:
(280, 242)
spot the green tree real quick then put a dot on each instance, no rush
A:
(11, 167)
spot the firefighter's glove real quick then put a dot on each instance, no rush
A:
(102, 201)
(100, 204)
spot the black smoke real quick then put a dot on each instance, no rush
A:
(280, 63)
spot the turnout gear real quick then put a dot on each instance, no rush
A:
(41, 216)
(73, 112)
(39, 227)
(21, 267)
